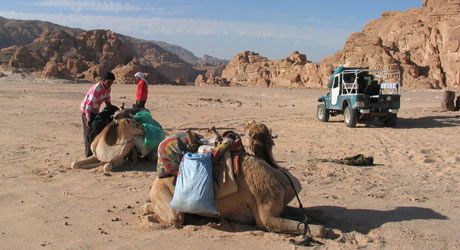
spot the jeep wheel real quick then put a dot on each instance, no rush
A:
(391, 120)
(322, 113)
(350, 116)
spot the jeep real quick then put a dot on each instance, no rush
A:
(361, 94)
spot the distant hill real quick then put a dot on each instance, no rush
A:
(23, 32)
(57, 51)
(191, 58)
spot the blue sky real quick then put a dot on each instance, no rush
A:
(219, 28)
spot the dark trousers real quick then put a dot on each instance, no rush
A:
(88, 134)
(140, 104)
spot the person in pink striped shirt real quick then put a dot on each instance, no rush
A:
(96, 95)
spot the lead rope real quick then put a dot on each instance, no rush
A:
(307, 239)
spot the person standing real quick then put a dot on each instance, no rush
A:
(96, 95)
(142, 90)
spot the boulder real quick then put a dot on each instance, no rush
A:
(448, 101)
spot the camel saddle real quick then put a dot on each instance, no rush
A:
(230, 151)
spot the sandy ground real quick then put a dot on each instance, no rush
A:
(410, 200)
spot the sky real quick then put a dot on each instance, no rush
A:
(220, 28)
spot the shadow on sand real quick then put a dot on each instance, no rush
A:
(142, 165)
(364, 220)
(410, 123)
(428, 122)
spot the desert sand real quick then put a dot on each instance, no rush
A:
(409, 200)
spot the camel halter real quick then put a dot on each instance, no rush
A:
(307, 238)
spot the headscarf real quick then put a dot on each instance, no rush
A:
(141, 75)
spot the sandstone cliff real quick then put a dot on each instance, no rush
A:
(249, 68)
(423, 43)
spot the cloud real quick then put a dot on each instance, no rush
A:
(95, 5)
(272, 39)
(148, 26)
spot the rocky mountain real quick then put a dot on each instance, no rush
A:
(424, 43)
(57, 51)
(23, 32)
(191, 58)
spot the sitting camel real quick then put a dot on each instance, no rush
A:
(262, 196)
(112, 145)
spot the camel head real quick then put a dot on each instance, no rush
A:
(123, 128)
(123, 114)
(258, 140)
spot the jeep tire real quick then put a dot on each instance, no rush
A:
(322, 113)
(350, 116)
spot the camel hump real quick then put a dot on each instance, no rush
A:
(111, 133)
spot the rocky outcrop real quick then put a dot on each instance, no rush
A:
(56, 51)
(125, 73)
(423, 43)
(203, 81)
(250, 68)
(58, 54)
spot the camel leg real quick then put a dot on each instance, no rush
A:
(281, 225)
(267, 217)
(108, 167)
(140, 146)
(133, 155)
(90, 162)
(160, 197)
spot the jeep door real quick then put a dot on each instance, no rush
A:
(335, 91)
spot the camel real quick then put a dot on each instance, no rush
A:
(113, 144)
(262, 196)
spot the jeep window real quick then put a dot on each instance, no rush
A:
(349, 78)
(336, 82)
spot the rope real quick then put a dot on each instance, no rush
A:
(307, 239)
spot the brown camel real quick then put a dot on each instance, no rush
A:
(112, 145)
(262, 196)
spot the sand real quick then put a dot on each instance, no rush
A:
(409, 200)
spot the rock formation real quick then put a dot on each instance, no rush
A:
(57, 51)
(202, 81)
(250, 68)
(423, 43)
